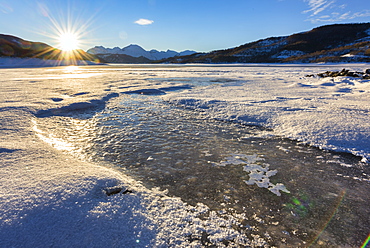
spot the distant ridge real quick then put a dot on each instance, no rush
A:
(329, 43)
(12, 46)
(134, 51)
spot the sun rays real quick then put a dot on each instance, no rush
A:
(68, 34)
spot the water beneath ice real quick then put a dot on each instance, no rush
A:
(290, 194)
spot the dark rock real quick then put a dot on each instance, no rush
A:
(342, 73)
(352, 74)
(367, 71)
(116, 190)
(336, 74)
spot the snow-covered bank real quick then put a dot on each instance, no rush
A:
(49, 198)
(330, 113)
(6, 62)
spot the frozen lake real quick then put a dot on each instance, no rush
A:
(237, 139)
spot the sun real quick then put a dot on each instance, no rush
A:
(68, 41)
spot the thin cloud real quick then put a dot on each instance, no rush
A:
(336, 17)
(6, 8)
(318, 6)
(318, 14)
(144, 22)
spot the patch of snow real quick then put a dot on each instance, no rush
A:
(258, 174)
(263, 47)
(348, 55)
(270, 41)
(288, 53)
(368, 32)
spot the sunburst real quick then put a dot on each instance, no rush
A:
(68, 34)
(68, 42)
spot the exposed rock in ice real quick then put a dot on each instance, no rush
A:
(116, 190)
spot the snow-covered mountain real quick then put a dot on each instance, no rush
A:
(137, 51)
(330, 43)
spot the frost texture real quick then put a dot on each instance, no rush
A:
(258, 174)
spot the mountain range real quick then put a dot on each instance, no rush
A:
(135, 51)
(329, 43)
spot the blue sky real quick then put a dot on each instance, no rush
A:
(201, 25)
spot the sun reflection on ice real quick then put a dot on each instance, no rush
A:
(57, 143)
(74, 71)
(71, 69)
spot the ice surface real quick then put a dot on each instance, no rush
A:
(49, 198)
(331, 113)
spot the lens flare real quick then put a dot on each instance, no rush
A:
(331, 216)
(366, 242)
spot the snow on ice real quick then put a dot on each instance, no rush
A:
(258, 173)
(330, 113)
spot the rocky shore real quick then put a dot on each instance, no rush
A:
(343, 73)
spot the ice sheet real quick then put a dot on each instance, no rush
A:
(330, 113)
(51, 199)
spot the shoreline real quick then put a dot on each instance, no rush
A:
(13, 63)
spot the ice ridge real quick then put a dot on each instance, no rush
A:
(96, 104)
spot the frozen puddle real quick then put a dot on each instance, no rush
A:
(281, 192)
